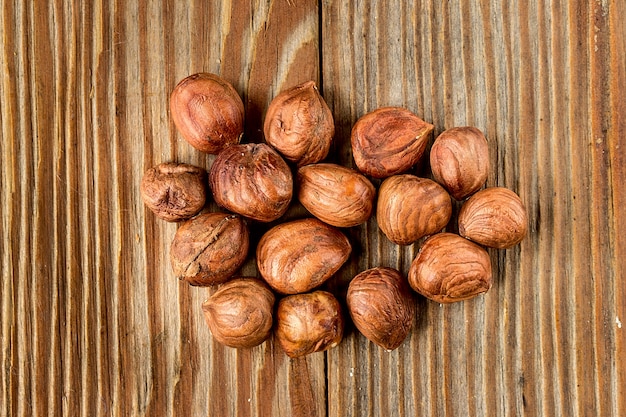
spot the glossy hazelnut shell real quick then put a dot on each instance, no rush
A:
(494, 217)
(174, 192)
(297, 256)
(335, 194)
(382, 306)
(239, 314)
(459, 160)
(207, 111)
(308, 323)
(389, 141)
(299, 124)
(209, 248)
(252, 180)
(449, 268)
(410, 208)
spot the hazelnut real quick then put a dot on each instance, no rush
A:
(209, 248)
(388, 141)
(297, 256)
(382, 306)
(252, 180)
(299, 124)
(410, 208)
(494, 217)
(207, 111)
(308, 323)
(335, 194)
(239, 313)
(174, 192)
(459, 160)
(450, 268)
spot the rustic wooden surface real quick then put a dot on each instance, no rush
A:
(94, 323)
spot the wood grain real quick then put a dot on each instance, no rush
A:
(95, 324)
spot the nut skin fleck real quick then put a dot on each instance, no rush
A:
(449, 268)
(239, 313)
(494, 217)
(308, 323)
(209, 248)
(389, 141)
(297, 256)
(207, 111)
(410, 208)
(382, 306)
(459, 160)
(174, 192)
(335, 194)
(299, 124)
(252, 180)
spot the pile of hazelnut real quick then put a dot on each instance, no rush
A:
(255, 183)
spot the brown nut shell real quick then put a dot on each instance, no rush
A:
(411, 207)
(174, 192)
(299, 124)
(382, 306)
(335, 194)
(252, 180)
(207, 111)
(459, 160)
(450, 268)
(389, 141)
(209, 248)
(239, 313)
(308, 323)
(297, 256)
(494, 217)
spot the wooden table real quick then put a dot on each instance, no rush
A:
(94, 322)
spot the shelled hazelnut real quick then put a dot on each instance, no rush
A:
(252, 180)
(239, 313)
(335, 194)
(389, 141)
(308, 323)
(459, 160)
(207, 111)
(410, 208)
(450, 268)
(382, 306)
(174, 192)
(209, 248)
(299, 124)
(300, 255)
(494, 217)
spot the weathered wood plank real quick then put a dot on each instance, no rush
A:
(538, 343)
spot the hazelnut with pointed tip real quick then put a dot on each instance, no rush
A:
(299, 124)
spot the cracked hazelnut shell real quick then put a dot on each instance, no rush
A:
(252, 180)
(449, 268)
(207, 111)
(388, 141)
(410, 208)
(494, 217)
(459, 160)
(335, 194)
(239, 314)
(174, 192)
(382, 306)
(308, 323)
(299, 124)
(297, 256)
(209, 248)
